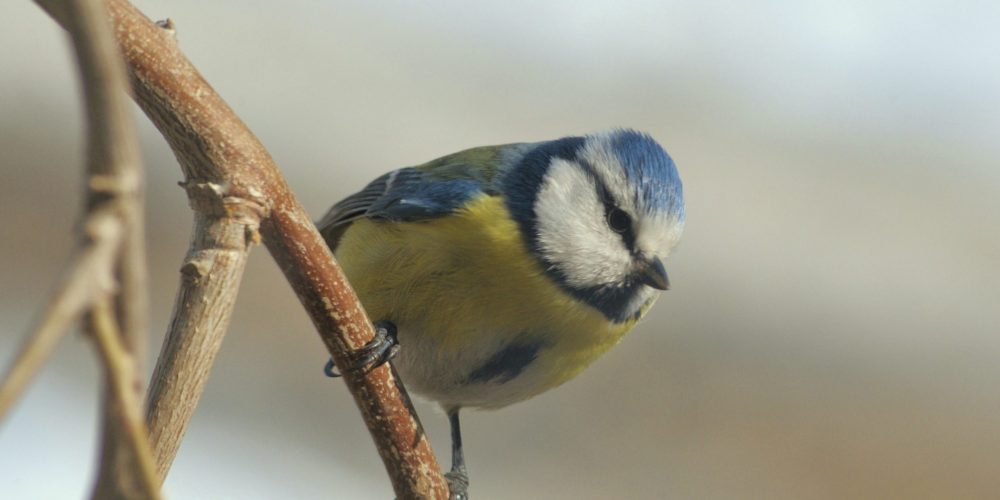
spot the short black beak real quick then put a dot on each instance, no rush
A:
(654, 275)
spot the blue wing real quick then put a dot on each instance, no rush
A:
(405, 195)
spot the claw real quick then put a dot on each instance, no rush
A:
(380, 349)
(458, 484)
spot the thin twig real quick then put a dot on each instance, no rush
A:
(89, 273)
(126, 408)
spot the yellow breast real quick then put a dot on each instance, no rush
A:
(462, 286)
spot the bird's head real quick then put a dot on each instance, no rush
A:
(601, 212)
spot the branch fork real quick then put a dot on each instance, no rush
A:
(239, 199)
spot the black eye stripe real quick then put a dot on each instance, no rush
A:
(617, 219)
(620, 222)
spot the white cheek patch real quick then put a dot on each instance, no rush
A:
(572, 232)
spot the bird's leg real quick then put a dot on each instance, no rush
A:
(382, 347)
(458, 477)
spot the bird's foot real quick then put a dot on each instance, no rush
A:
(382, 347)
(458, 484)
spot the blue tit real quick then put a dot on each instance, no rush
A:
(506, 270)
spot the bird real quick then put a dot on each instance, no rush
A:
(496, 273)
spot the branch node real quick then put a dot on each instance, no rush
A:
(218, 200)
(102, 225)
(168, 26)
(251, 235)
(193, 270)
(118, 183)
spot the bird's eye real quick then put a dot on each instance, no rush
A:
(618, 220)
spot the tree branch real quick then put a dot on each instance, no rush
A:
(112, 157)
(89, 273)
(214, 147)
(210, 279)
(115, 180)
(111, 253)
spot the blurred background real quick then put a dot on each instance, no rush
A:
(833, 327)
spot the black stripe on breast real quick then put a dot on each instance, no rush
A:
(507, 363)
